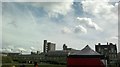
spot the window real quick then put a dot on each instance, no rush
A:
(115, 56)
(99, 49)
(105, 48)
(112, 55)
(112, 50)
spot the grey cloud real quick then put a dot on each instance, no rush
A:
(36, 1)
(77, 29)
(80, 29)
(14, 24)
(54, 8)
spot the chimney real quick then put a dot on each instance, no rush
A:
(98, 43)
(107, 43)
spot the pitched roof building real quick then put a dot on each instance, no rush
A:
(86, 57)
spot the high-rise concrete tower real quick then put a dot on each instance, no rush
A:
(48, 46)
(51, 46)
(45, 46)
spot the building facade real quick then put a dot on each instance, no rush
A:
(118, 57)
(109, 50)
(51, 46)
(48, 46)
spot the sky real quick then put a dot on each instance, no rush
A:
(26, 24)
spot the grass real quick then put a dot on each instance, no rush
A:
(47, 65)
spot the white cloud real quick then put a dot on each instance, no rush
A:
(55, 8)
(113, 39)
(21, 49)
(88, 23)
(57, 0)
(6, 50)
(80, 29)
(36, 1)
(0, 25)
(66, 30)
(102, 0)
(102, 10)
(105, 14)
(32, 49)
(27, 31)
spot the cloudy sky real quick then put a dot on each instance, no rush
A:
(26, 24)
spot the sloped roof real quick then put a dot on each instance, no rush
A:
(85, 51)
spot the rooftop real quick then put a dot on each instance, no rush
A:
(86, 51)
